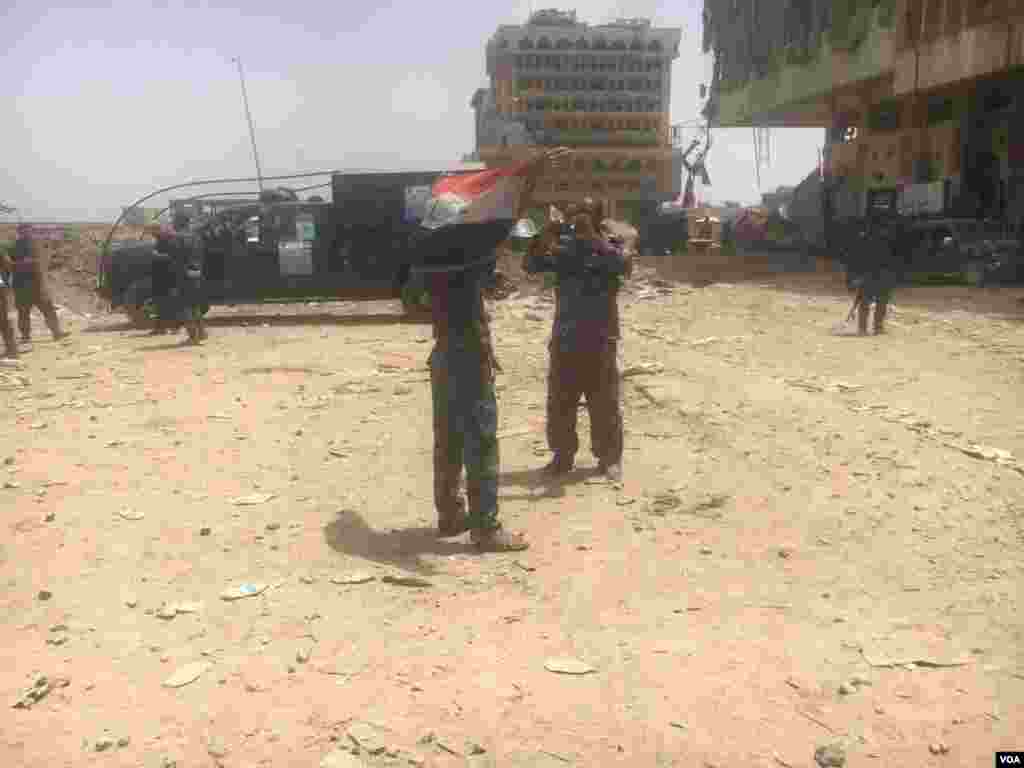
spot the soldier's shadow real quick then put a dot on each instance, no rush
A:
(403, 548)
(539, 485)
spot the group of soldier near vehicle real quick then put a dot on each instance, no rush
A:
(588, 266)
(26, 274)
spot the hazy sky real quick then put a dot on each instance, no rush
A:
(105, 104)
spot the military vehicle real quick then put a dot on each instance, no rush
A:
(278, 248)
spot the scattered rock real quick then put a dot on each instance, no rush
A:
(187, 674)
(830, 756)
(273, 526)
(103, 743)
(406, 581)
(205, 531)
(358, 577)
(307, 579)
(341, 758)
(302, 655)
(641, 369)
(242, 591)
(904, 648)
(568, 666)
(57, 640)
(368, 737)
(216, 748)
(39, 690)
(123, 742)
(705, 550)
(785, 553)
(50, 517)
(938, 748)
(252, 499)
(846, 689)
(167, 612)
(44, 594)
(131, 602)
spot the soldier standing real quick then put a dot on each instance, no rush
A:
(6, 329)
(164, 279)
(31, 285)
(584, 341)
(875, 269)
(465, 410)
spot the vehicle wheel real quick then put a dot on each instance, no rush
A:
(415, 298)
(974, 274)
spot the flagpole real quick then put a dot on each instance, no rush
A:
(248, 117)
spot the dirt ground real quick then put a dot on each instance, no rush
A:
(817, 542)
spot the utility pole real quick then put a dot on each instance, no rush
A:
(252, 132)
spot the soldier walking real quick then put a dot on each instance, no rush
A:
(875, 271)
(465, 409)
(584, 341)
(31, 285)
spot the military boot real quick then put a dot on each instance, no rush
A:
(881, 309)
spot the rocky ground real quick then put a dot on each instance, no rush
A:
(224, 556)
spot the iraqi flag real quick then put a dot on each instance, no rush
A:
(468, 216)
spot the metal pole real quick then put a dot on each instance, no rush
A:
(248, 117)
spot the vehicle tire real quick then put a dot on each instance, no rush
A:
(974, 274)
(415, 297)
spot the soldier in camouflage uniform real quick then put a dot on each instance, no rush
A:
(584, 340)
(462, 377)
(31, 285)
(6, 329)
(875, 271)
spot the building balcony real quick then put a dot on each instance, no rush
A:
(584, 137)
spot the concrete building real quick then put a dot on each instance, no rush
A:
(923, 100)
(602, 90)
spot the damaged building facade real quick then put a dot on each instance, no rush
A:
(923, 100)
(602, 90)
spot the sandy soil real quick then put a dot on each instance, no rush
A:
(817, 542)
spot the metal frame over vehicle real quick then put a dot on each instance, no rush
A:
(357, 247)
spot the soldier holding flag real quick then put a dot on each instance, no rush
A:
(468, 217)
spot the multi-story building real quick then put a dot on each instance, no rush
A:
(914, 94)
(602, 90)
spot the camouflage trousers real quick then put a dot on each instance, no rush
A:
(465, 433)
(31, 291)
(6, 329)
(593, 374)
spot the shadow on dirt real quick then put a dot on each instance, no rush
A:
(350, 534)
(540, 485)
(168, 345)
(320, 318)
(824, 278)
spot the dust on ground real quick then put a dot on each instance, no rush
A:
(816, 545)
